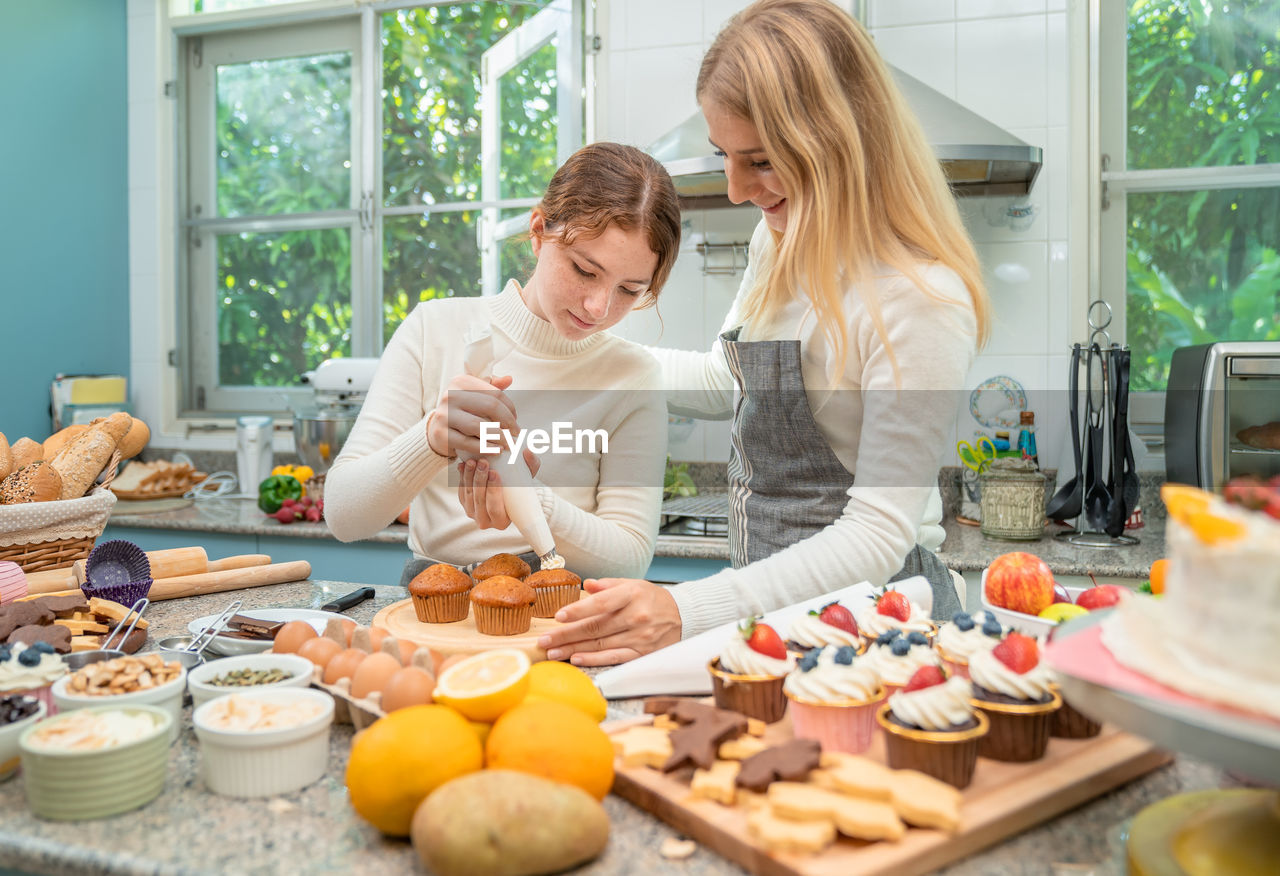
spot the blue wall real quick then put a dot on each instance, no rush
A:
(64, 208)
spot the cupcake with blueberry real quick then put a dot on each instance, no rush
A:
(965, 635)
(1016, 690)
(832, 625)
(31, 670)
(890, 610)
(896, 656)
(833, 695)
(748, 674)
(931, 726)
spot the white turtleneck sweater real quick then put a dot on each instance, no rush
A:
(891, 434)
(602, 508)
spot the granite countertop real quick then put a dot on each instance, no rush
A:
(966, 549)
(189, 830)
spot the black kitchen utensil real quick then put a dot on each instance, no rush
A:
(1125, 489)
(1097, 498)
(349, 600)
(1066, 503)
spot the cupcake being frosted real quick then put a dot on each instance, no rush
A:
(833, 695)
(832, 625)
(891, 610)
(967, 634)
(896, 656)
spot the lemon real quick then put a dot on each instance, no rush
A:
(563, 683)
(1060, 611)
(485, 685)
(482, 730)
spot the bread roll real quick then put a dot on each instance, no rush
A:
(54, 443)
(81, 461)
(37, 482)
(25, 451)
(1264, 437)
(6, 457)
(134, 440)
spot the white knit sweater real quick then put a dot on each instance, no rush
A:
(894, 455)
(602, 508)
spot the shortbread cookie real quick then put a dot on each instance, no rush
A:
(780, 835)
(926, 802)
(755, 727)
(856, 775)
(717, 783)
(853, 816)
(741, 748)
(665, 722)
(643, 746)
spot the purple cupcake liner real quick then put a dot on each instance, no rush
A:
(125, 594)
(117, 563)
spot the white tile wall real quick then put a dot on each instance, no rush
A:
(925, 51)
(1001, 69)
(893, 14)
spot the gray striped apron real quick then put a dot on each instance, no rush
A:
(785, 482)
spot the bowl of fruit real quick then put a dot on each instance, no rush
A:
(1020, 590)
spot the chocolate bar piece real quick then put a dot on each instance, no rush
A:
(245, 627)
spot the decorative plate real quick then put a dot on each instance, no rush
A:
(997, 402)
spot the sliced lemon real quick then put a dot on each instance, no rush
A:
(485, 685)
(564, 683)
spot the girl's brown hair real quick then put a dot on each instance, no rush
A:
(605, 184)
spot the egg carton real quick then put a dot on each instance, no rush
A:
(360, 712)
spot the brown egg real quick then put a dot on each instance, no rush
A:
(319, 650)
(348, 629)
(375, 637)
(373, 674)
(292, 636)
(410, 686)
(449, 661)
(343, 665)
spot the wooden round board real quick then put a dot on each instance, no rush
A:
(459, 637)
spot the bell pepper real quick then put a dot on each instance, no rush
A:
(302, 472)
(274, 490)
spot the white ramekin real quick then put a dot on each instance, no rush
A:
(267, 762)
(167, 696)
(201, 691)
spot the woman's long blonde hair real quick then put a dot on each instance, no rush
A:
(863, 187)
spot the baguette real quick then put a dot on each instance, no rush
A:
(6, 458)
(37, 482)
(135, 439)
(25, 451)
(81, 461)
(54, 443)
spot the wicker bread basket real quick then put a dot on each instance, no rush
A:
(53, 535)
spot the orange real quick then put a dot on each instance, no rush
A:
(1159, 571)
(399, 759)
(1212, 529)
(1183, 500)
(555, 741)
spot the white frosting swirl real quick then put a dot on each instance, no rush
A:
(738, 658)
(940, 707)
(16, 676)
(811, 631)
(873, 624)
(963, 643)
(987, 671)
(893, 669)
(829, 681)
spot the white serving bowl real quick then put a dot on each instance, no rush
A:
(264, 763)
(167, 696)
(9, 734)
(202, 691)
(1027, 624)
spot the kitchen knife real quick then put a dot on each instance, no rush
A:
(350, 600)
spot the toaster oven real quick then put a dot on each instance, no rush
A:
(1222, 413)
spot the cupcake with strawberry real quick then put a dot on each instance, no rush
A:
(931, 726)
(965, 635)
(891, 610)
(896, 656)
(749, 674)
(833, 696)
(832, 625)
(1016, 690)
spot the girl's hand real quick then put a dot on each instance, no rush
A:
(454, 425)
(480, 491)
(621, 619)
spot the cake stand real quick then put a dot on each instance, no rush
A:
(1219, 832)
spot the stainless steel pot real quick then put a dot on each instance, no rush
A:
(319, 435)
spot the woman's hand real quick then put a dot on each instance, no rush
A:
(621, 619)
(480, 491)
(454, 425)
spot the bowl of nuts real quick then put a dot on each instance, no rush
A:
(147, 679)
(247, 672)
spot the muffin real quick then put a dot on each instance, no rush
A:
(966, 634)
(832, 696)
(503, 605)
(896, 656)
(501, 564)
(553, 589)
(31, 670)
(833, 625)
(931, 726)
(1070, 723)
(439, 594)
(748, 675)
(891, 610)
(1015, 689)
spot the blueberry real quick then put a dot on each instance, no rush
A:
(845, 655)
(991, 627)
(42, 647)
(915, 637)
(900, 647)
(810, 659)
(888, 636)
(963, 621)
(5, 653)
(29, 657)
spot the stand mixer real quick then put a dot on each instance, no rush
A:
(320, 430)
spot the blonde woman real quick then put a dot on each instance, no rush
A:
(846, 345)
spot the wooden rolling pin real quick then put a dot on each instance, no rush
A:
(219, 582)
(162, 568)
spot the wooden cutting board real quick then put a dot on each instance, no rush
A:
(1004, 799)
(460, 637)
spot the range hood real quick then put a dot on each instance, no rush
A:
(978, 157)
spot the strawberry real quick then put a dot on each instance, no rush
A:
(836, 615)
(893, 604)
(1018, 652)
(764, 639)
(925, 676)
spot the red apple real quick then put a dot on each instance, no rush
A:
(1101, 596)
(1060, 594)
(1020, 582)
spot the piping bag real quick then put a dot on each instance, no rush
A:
(521, 497)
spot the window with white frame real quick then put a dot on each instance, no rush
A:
(1189, 137)
(343, 161)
